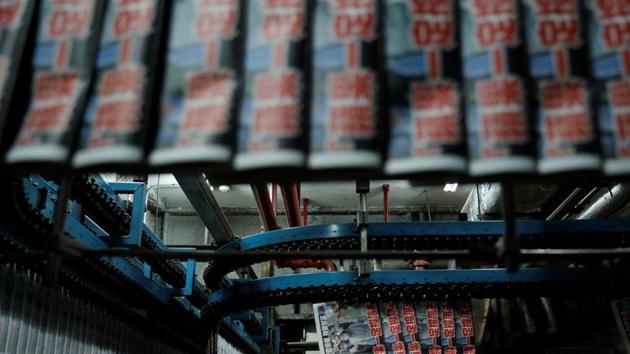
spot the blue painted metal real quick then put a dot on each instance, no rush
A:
(480, 229)
(35, 184)
(276, 339)
(264, 336)
(41, 195)
(146, 269)
(138, 190)
(191, 269)
(87, 238)
(426, 277)
(292, 234)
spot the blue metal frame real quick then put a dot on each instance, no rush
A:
(138, 190)
(191, 270)
(75, 229)
(481, 229)
(276, 339)
(42, 195)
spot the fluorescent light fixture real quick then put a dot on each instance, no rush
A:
(450, 187)
(224, 188)
(211, 188)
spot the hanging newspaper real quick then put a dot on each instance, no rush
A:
(274, 109)
(558, 58)
(424, 75)
(117, 126)
(17, 29)
(347, 126)
(494, 68)
(609, 36)
(199, 97)
(394, 328)
(66, 45)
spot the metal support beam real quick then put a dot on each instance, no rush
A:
(508, 247)
(55, 239)
(567, 202)
(363, 188)
(613, 200)
(198, 191)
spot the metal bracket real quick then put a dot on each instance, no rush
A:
(191, 270)
(138, 190)
(509, 247)
(362, 218)
(363, 188)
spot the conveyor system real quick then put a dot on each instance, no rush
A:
(533, 234)
(107, 249)
(158, 292)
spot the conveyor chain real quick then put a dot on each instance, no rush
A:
(102, 208)
(425, 236)
(107, 212)
(414, 286)
(112, 216)
(43, 226)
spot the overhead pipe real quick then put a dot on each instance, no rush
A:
(292, 209)
(264, 206)
(613, 200)
(385, 202)
(274, 199)
(567, 202)
(291, 204)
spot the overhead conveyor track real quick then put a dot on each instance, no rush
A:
(415, 286)
(98, 278)
(538, 234)
(109, 213)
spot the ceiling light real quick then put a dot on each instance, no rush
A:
(211, 188)
(450, 187)
(224, 188)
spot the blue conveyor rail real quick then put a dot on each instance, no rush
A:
(534, 234)
(415, 286)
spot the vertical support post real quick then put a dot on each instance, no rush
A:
(55, 239)
(276, 339)
(157, 206)
(385, 202)
(305, 203)
(509, 245)
(274, 199)
(191, 269)
(138, 191)
(363, 188)
(213, 338)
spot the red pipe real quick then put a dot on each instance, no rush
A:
(306, 263)
(385, 202)
(291, 204)
(264, 206)
(292, 209)
(305, 213)
(420, 264)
